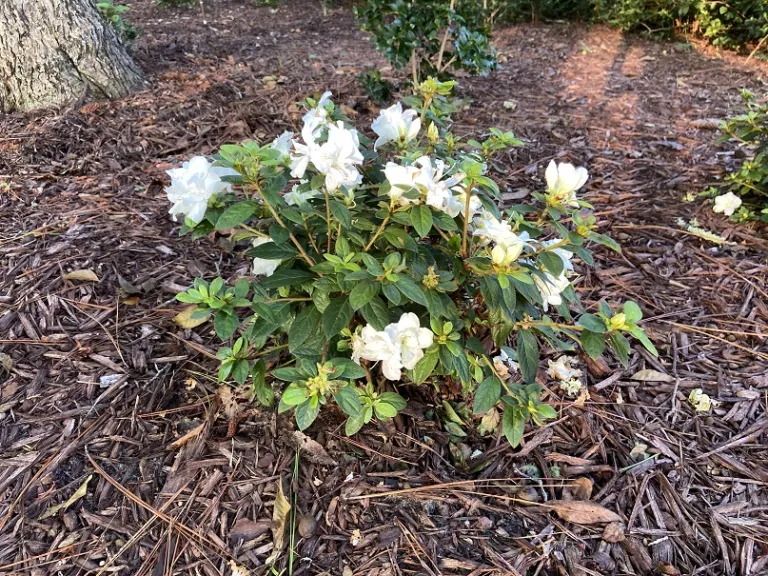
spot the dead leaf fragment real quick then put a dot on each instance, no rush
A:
(79, 493)
(581, 512)
(186, 320)
(652, 376)
(82, 275)
(614, 532)
(579, 489)
(280, 515)
(312, 449)
(6, 361)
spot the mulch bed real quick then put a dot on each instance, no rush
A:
(119, 454)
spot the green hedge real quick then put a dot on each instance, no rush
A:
(733, 24)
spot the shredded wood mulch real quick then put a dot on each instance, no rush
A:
(119, 454)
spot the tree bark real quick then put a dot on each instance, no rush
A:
(52, 51)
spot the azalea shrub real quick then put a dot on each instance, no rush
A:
(747, 196)
(385, 262)
(432, 37)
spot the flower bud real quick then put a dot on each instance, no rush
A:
(618, 322)
(432, 133)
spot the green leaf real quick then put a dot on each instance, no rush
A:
(392, 293)
(487, 394)
(376, 313)
(384, 410)
(264, 393)
(546, 411)
(349, 401)
(271, 251)
(393, 399)
(347, 369)
(592, 323)
(288, 374)
(306, 324)
(288, 277)
(425, 366)
(236, 214)
(528, 354)
(353, 425)
(411, 290)
(372, 265)
(294, 395)
(421, 218)
(638, 333)
(241, 288)
(363, 293)
(632, 312)
(552, 262)
(225, 324)
(605, 241)
(621, 347)
(341, 213)
(592, 343)
(306, 414)
(240, 370)
(513, 425)
(336, 316)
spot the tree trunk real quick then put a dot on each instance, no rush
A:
(52, 51)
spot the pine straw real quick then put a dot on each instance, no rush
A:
(184, 478)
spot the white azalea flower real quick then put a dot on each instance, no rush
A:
(262, 266)
(394, 124)
(296, 198)
(550, 289)
(338, 158)
(504, 365)
(372, 345)
(456, 204)
(562, 182)
(489, 229)
(401, 179)
(727, 204)
(317, 117)
(192, 185)
(400, 345)
(426, 177)
(283, 144)
(565, 255)
(562, 369)
(303, 151)
(503, 256)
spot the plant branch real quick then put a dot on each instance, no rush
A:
(281, 223)
(328, 218)
(376, 235)
(466, 221)
(445, 37)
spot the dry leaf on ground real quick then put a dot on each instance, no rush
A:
(652, 376)
(580, 512)
(82, 275)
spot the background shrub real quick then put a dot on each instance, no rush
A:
(430, 36)
(732, 24)
(750, 130)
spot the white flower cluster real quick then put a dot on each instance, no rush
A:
(566, 374)
(727, 204)
(192, 185)
(337, 158)
(563, 180)
(400, 345)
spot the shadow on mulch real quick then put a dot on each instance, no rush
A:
(109, 409)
